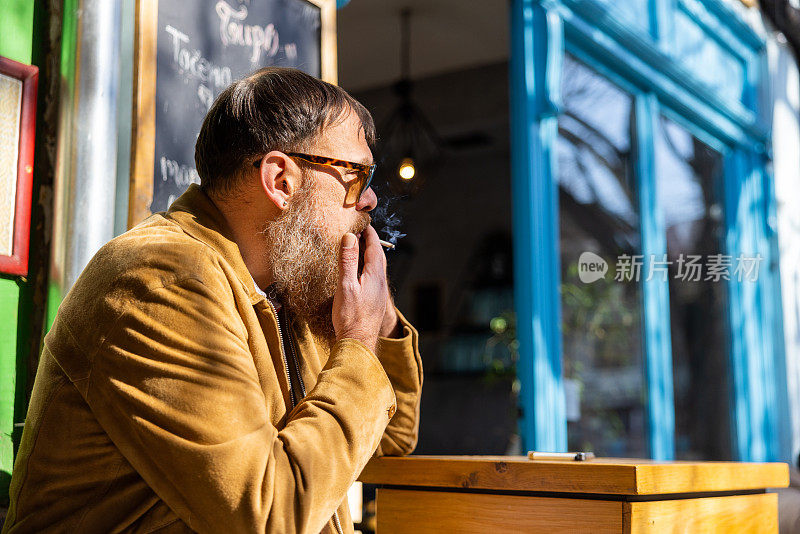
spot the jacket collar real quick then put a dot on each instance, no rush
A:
(197, 215)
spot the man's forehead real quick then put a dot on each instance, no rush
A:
(344, 139)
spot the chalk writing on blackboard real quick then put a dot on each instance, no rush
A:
(233, 31)
(190, 62)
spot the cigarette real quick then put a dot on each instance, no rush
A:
(577, 456)
(386, 244)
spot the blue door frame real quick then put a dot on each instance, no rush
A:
(637, 59)
(537, 48)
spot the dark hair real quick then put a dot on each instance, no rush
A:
(275, 108)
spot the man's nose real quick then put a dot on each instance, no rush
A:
(368, 200)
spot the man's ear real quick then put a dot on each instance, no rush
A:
(280, 178)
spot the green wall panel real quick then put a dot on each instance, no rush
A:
(16, 29)
(9, 301)
(16, 42)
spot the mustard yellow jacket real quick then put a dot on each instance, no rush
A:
(161, 402)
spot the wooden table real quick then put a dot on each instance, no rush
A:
(468, 494)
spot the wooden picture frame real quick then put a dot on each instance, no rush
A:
(144, 96)
(18, 89)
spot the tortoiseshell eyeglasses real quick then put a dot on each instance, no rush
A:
(355, 186)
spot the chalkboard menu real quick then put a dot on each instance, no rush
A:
(189, 51)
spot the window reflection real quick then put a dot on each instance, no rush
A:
(688, 183)
(603, 373)
(700, 52)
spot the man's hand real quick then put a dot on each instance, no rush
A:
(359, 303)
(390, 326)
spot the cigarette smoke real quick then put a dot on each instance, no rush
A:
(387, 222)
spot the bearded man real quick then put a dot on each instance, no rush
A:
(232, 364)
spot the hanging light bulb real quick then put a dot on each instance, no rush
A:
(410, 149)
(406, 169)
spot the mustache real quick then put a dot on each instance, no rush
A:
(361, 223)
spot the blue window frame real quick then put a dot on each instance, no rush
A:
(661, 61)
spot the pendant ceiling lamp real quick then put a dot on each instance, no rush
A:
(409, 146)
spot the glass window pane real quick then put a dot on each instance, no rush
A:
(603, 374)
(688, 184)
(707, 59)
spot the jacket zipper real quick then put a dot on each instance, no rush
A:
(283, 355)
(336, 522)
(296, 363)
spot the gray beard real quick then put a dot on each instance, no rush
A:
(304, 260)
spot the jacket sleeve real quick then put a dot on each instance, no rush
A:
(174, 386)
(401, 360)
